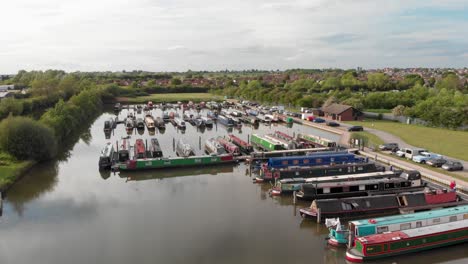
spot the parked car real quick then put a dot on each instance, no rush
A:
(388, 146)
(356, 128)
(401, 152)
(319, 120)
(333, 124)
(411, 152)
(424, 157)
(452, 165)
(436, 162)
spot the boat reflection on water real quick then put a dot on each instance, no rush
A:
(105, 174)
(181, 172)
(108, 134)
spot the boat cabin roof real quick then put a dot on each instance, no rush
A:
(416, 232)
(352, 176)
(107, 151)
(395, 219)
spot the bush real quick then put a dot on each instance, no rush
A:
(26, 139)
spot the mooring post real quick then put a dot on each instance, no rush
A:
(294, 197)
(199, 142)
(173, 144)
(248, 138)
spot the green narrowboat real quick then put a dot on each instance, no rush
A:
(159, 163)
(265, 144)
(408, 241)
(318, 141)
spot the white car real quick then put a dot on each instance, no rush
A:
(401, 152)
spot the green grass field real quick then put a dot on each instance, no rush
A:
(443, 141)
(370, 139)
(378, 111)
(11, 169)
(171, 97)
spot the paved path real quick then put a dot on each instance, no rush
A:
(390, 138)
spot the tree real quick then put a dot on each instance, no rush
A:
(176, 81)
(378, 82)
(398, 110)
(25, 139)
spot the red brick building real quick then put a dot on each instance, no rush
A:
(341, 112)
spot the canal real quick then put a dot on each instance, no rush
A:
(66, 211)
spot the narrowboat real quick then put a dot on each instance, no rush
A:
(160, 123)
(314, 159)
(393, 223)
(303, 173)
(224, 120)
(208, 121)
(252, 112)
(129, 124)
(285, 144)
(184, 149)
(213, 147)
(139, 149)
(243, 146)
(140, 124)
(149, 121)
(179, 123)
(199, 122)
(356, 207)
(117, 107)
(108, 125)
(165, 117)
(285, 119)
(124, 153)
(264, 119)
(272, 118)
(250, 120)
(236, 113)
(155, 148)
(176, 162)
(316, 140)
(212, 115)
(265, 144)
(365, 184)
(186, 117)
(230, 147)
(408, 241)
(106, 157)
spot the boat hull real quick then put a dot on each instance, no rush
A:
(144, 164)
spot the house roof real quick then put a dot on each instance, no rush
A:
(336, 108)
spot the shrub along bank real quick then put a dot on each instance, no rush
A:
(24, 141)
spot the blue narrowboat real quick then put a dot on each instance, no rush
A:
(313, 160)
(224, 120)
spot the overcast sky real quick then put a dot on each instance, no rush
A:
(177, 35)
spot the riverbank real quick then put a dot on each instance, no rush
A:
(12, 170)
(443, 141)
(170, 97)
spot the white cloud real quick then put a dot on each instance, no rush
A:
(214, 34)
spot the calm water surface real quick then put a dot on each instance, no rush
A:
(66, 211)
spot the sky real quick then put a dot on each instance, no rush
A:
(178, 35)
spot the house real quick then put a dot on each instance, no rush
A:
(342, 112)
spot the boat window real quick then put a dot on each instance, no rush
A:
(285, 162)
(346, 206)
(362, 187)
(319, 191)
(336, 190)
(295, 162)
(402, 201)
(418, 224)
(326, 190)
(436, 220)
(453, 218)
(382, 229)
(353, 188)
(405, 226)
(367, 203)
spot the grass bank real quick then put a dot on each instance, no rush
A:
(171, 97)
(379, 111)
(370, 140)
(11, 170)
(443, 141)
